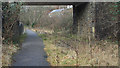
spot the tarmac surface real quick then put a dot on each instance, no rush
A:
(32, 52)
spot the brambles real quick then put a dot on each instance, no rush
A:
(10, 21)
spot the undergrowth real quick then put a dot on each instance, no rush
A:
(76, 51)
(10, 49)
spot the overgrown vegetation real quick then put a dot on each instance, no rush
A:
(11, 35)
(8, 51)
(75, 51)
(10, 21)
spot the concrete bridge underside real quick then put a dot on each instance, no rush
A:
(53, 3)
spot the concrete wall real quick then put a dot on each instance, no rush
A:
(85, 18)
(95, 20)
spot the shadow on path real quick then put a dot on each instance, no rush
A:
(32, 52)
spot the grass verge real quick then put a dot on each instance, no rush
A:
(72, 50)
(9, 50)
(67, 51)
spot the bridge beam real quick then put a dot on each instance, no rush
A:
(52, 3)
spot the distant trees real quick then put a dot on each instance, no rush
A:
(31, 15)
(38, 17)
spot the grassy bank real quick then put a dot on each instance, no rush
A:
(73, 50)
(9, 50)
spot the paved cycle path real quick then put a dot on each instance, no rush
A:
(32, 52)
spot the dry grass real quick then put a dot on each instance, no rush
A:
(100, 55)
(65, 51)
(65, 54)
(42, 31)
(8, 51)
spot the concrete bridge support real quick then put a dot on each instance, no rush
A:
(84, 19)
(95, 20)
